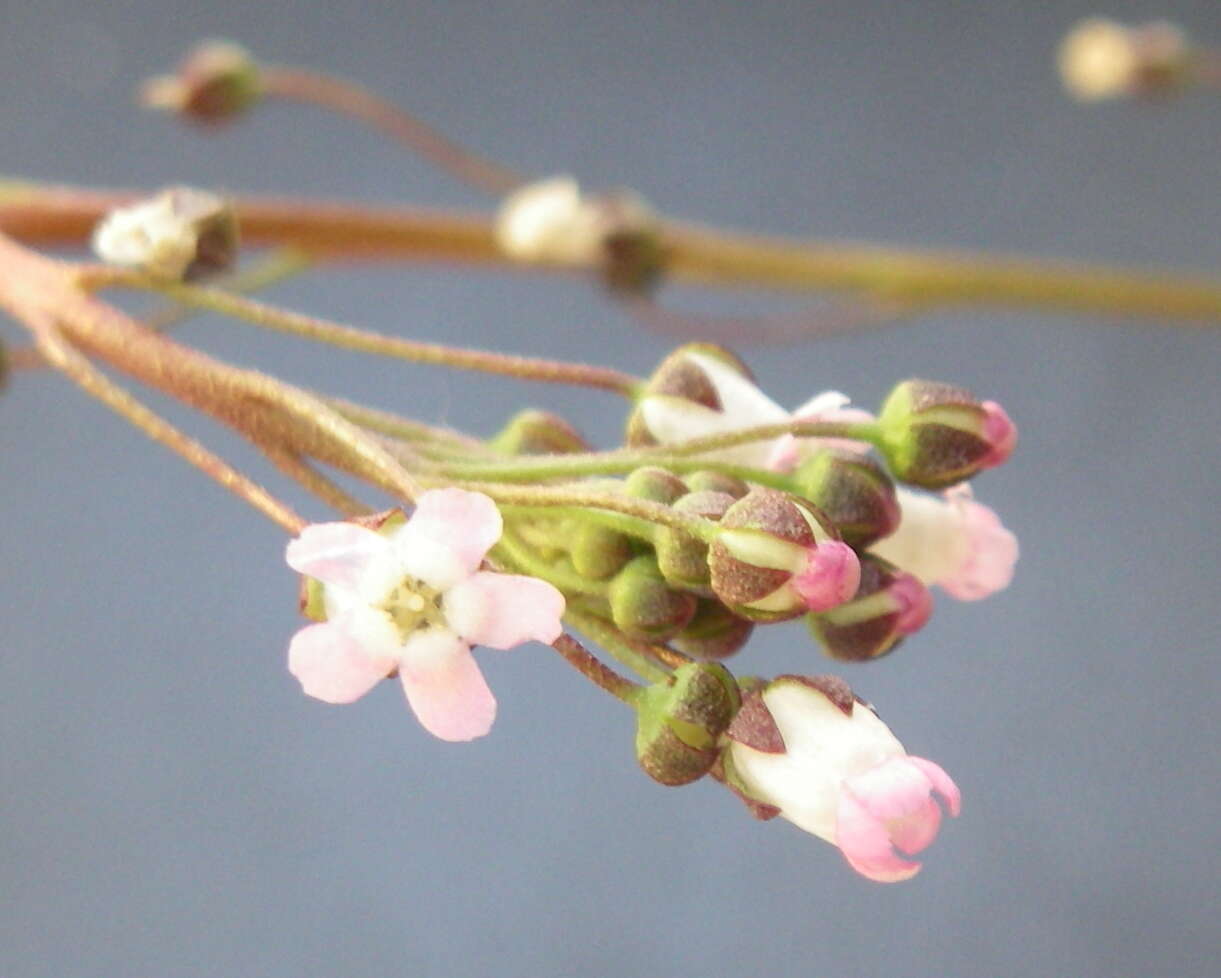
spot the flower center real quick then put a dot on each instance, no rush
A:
(413, 606)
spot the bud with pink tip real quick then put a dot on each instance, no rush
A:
(889, 605)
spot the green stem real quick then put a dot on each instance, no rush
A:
(632, 526)
(616, 644)
(593, 669)
(523, 560)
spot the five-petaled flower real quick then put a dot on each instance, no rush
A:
(830, 766)
(414, 601)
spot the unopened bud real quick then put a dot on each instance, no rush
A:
(853, 491)
(681, 557)
(655, 484)
(709, 480)
(598, 552)
(217, 82)
(644, 606)
(776, 557)
(889, 605)
(936, 435)
(180, 234)
(714, 633)
(1101, 59)
(680, 720)
(533, 432)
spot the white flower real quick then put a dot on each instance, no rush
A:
(550, 221)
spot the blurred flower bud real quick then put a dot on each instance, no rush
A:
(217, 82)
(644, 606)
(533, 432)
(951, 541)
(1101, 59)
(853, 491)
(180, 234)
(598, 552)
(889, 604)
(680, 720)
(703, 389)
(714, 633)
(777, 557)
(805, 748)
(682, 558)
(706, 479)
(655, 484)
(935, 435)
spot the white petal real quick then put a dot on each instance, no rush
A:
(504, 610)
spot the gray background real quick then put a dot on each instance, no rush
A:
(171, 805)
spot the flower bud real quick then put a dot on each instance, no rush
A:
(777, 557)
(533, 432)
(703, 389)
(217, 82)
(1100, 59)
(935, 435)
(680, 720)
(180, 234)
(806, 749)
(707, 479)
(889, 604)
(644, 606)
(853, 491)
(598, 552)
(714, 633)
(682, 558)
(655, 484)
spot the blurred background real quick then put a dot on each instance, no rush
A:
(170, 804)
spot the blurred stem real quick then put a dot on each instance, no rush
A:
(909, 278)
(526, 561)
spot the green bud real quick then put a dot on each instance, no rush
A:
(655, 484)
(681, 378)
(217, 82)
(599, 552)
(934, 435)
(680, 721)
(532, 432)
(644, 606)
(682, 558)
(714, 633)
(853, 491)
(708, 480)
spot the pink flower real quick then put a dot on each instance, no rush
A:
(787, 451)
(838, 772)
(415, 601)
(952, 541)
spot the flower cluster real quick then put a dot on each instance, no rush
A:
(722, 512)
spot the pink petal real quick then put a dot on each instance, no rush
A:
(340, 660)
(991, 553)
(1000, 432)
(865, 843)
(336, 554)
(445, 688)
(942, 783)
(916, 832)
(895, 788)
(831, 576)
(915, 603)
(455, 528)
(784, 454)
(504, 610)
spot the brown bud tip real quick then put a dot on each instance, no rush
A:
(682, 558)
(853, 491)
(680, 720)
(215, 83)
(714, 633)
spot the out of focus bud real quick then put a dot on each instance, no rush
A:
(644, 606)
(598, 552)
(680, 720)
(936, 435)
(777, 557)
(710, 481)
(681, 558)
(533, 432)
(552, 222)
(889, 604)
(654, 484)
(853, 491)
(951, 541)
(1101, 59)
(714, 633)
(180, 234)
(217, 82)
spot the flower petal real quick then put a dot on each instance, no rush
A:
(865, 843)
(444, 686)
(942, 783)
(337, 554)
(991, 553)
(448, 535)
(340, 660)
(504, 610)
(894, 789)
